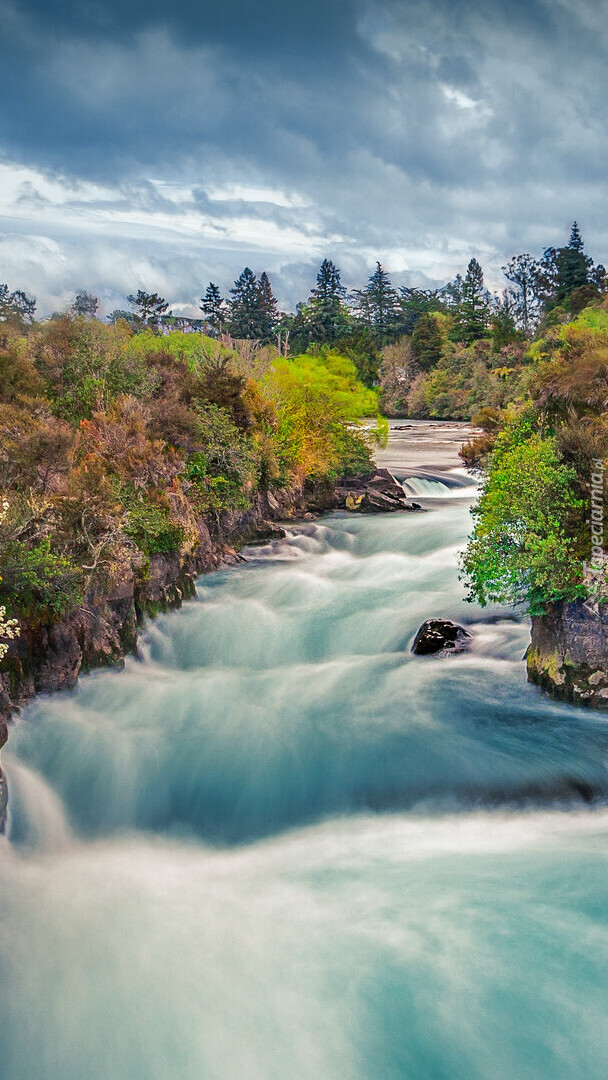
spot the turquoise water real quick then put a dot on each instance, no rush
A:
(280, 846)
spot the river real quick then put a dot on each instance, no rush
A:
(278, 846)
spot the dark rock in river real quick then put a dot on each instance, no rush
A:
(440, 636)
(376, 493)
(568, 653)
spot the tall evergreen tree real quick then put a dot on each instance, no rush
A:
(378, 306)
(427, 341)
(562, 270)
(326, 304)
(268, 311)
(473, 312)
(213, 308)
(244, 320)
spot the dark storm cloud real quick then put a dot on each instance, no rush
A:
(416, 132)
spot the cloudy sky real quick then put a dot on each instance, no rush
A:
(154, 145)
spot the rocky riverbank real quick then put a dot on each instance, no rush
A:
(50, 657)
(568, 653)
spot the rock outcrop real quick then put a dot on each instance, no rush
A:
(377, 493)
(568, 653)
(50, 657)
(440, 637)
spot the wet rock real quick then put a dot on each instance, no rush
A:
(377, 493)
(568, 653)
(440, 636)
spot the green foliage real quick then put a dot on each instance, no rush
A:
(464, 380)
(87, 365)
(472, 313)
(428, 340)
(224, 472)
(38, 580)
(525, 547)
(317, 398)
(150, 527)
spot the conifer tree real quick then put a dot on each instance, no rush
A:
(213, 308)
(268, 311)
(427, 341)
(150, 308)
(378, 306)
(253, 308)
(473, 312)
(562, 270)
(244, 321)
(328, 312)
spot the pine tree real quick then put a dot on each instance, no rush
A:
(563, 270)
(473, 312)
(244, 321)
(378, 306)
(328, 311)
(267, 305)
(427, 341)
(576, 240)
(213, 308)
(150, 308)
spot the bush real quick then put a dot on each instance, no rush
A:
(149, 526)
(37, 580)
(526, 545)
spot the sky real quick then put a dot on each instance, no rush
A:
(161, 146)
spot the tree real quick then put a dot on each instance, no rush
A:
(244, 321)
(267, 306)
(85, 304)
(416, 302)
(523, 272)
(213, 308)
(452, 292)
(427, 341)
(503, 321)
(328, 312)
(563, 270)
(522, 549)
(599, 277)
(150, 308)
(378, 306)
(473, 312)
(16, 306)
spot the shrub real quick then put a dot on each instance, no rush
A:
(150, 527)
(526, 545)
(37, 580)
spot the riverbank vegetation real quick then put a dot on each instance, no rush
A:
(116, 445)
(539, 524)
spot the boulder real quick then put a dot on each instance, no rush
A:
(377, 493)
(568, 653)
(440, 636)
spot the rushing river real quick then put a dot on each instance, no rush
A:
(280, 847)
